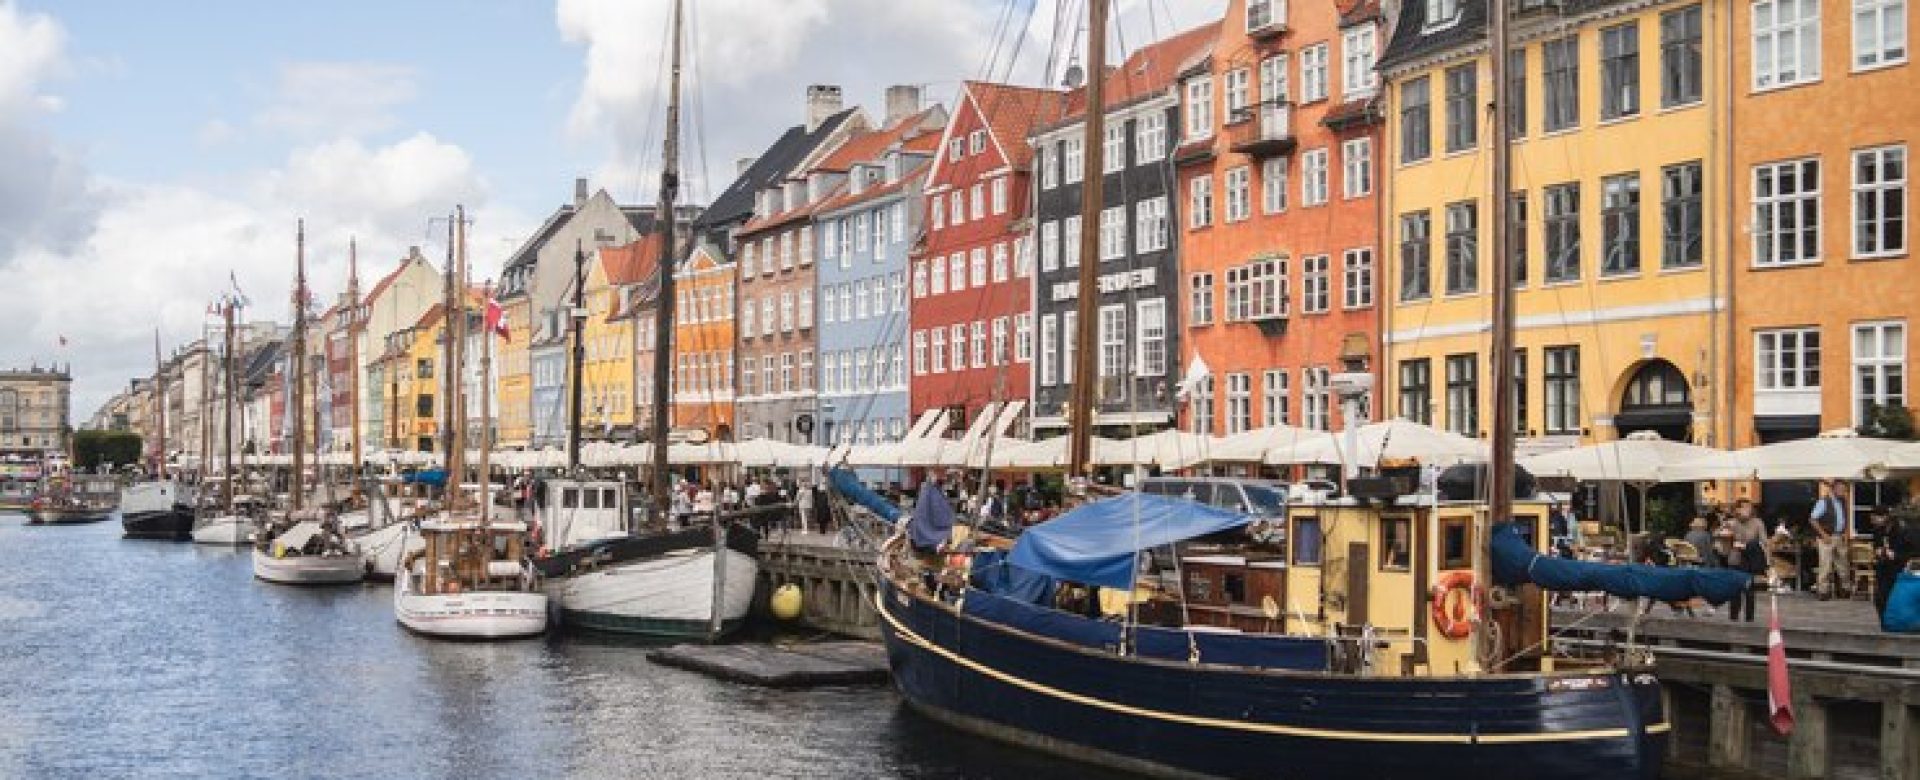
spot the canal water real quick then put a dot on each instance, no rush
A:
(123, 658)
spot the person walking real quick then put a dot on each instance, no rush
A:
(803, 505)
(1831, 519)
(1749, 555)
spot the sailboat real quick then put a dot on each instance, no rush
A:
(221, 524)
(160, 507)
(1377, 635)
(471, 579)
(306, 545)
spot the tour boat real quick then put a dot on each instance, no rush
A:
(157, 509)
(310, 550)
(470, 580)
(74, 499)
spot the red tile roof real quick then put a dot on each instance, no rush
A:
(869, 146)
(432, 316)
(632, 263)
(1151, 69)
(1011, 111)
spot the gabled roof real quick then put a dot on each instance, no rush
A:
(880, 190)
(381, 286)
(1152, 69)
(529, 251)
(1010, 112)
(735, 204)
(631, 263)
(431, 316)
(1411, 41)
(870, 146)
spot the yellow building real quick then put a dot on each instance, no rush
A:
(1617, 220)
(606, 406)
(514, 374)
(416, 383)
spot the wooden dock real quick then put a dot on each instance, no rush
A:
(835, 577)
(782, 666)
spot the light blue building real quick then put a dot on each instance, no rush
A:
(864, 235)
(547, 356)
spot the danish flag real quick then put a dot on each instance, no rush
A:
(497, 319)
(1779, 687)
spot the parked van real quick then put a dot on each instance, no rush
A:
(1255, 497)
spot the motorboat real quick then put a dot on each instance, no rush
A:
(306, 548)
(157, 509)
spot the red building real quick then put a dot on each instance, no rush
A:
(972, 271)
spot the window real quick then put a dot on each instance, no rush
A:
(1517, 236)
(1273, 185)
(1620, 225)
(1787, 359)
(1463, 395)
(1786, 42)
(1880, 201)
(1149, 138)
(1442, 13)
(1200, 202)
(1273, 80)
(1316, 282)
(919, 352)
(1069, 324)
(1049, 166)
(1561, 75)
(829, 238)
(1199, 108)
(1049, 349)
(1113, 341)
(1562, 223)
(898, 282)
(1416, 131)
(999, 187)
(1396, 544)
(1358, 278)
(1356, 62)
(1356, 157)
(1237, 84)
(1306, 541)
(1463, 118)
(880, 232)
(1000, 269)
(1049, 247)
(1113, 149)
(956, 149)
(1879, 368)
(1313, 177)
(978, 266)
(1070, 238)
(977, 347)
(767, 321)
(1463, 247)
(957, 207)
(1023, 337)
(1879, 33)
(1261, 13)
(897, 215)
(957, 338)
(1520, 392)
(1620, 71)
(1415, 258)
(1680, 216)
(1239, 402)
(1200, 299)
(747, 323)
(957, 271)
(1150, 229)
(1152, 316)
(1456, 545)
(1680, 63)
(1273, 397)
(786, 312)
(1786, 213)
(806, 308)
(1239, 194)
(862, 372)
(787, 384)
(1517, 93)
(938, 206)
(860, 299)
(1563, 390)
(1023, 256)
(1113, 233)
(938, 276)
(977, 141)
(1000, 327)
(919, 279)
(1200, 406)
(1072, 161)
(1416, 390)
(939, 338)
(1316, 398)
(1257, 290)
(1313, 73)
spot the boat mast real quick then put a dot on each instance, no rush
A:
(298, 370)
(226, 414)
(663, 312)
(577, 366)
(1081, 409)
(159, 405)
(1500, 469)
(456, 330)
(353, 361)
(486, 407)
(206, 404)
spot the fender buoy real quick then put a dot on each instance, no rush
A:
(1455, 617)
(785, 602)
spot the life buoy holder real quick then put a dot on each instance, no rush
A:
(1455, 617)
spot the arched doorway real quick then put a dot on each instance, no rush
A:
(1657, 398)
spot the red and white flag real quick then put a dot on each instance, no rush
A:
(497, 319)
(1779, 687)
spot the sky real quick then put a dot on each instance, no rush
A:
(153, 155)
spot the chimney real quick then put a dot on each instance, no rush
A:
(579, 192)
(741, 165)
(903, 100)
(823, 101)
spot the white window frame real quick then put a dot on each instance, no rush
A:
(1049, 166)
(938, 337)
(999, 195)
(1769, 208)
(1882, 358)
(1200, 301)
(1771, 374)
(977, 267)
(999, 261)
(1238, 93)
(919, 352)
(937, 276)
(1358, 49)
(1150, 137)
(1023, 337)
(1049, 246)
(1150, 230)
(957, 272)
(1150, 318)
(1200, 202)
(998, 354)
(1113, 148)
(1199, 109)
(1780, 49)
(1357, 278)
(1356, 168)
(1276, 407)
(977, 345)
(1316, 284)
(1314, 177)
(1273, 79)
(1892, 243)
(1239, 194)
(1073, 161)
(1273, 185)
(1049, 350)
(1113, 233)
(1313, 73)
(1113, 357)
(1870, 17)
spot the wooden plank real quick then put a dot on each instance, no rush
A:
(771, 666)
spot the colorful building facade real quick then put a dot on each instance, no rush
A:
(703, 341)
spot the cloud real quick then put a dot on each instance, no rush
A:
(42, 192)
(216, 132)
(330, 99)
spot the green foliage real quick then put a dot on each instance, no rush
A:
(1889, 421)
(91, 449)
(1668, 515)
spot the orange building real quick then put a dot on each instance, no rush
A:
(1278, 178)
(1824, 115)
(703, 345)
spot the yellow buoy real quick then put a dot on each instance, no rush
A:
(786, 601)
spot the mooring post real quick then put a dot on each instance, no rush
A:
(1729, 729)
(1807, 754)
(1669, 706)
(1899, 745)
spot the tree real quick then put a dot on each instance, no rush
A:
(114, 448)
(1889, 421)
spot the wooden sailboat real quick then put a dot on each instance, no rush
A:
(221, 524)
(692, 583)
(159, 507)
(306, 545)
(471, 579)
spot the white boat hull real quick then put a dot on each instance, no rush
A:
(669, 596)
(472, 615)
(308, 569)
(385, 547)
(224, 529)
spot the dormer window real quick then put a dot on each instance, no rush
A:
(796, 191)
(1442, 14)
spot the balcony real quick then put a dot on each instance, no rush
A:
(1262, 130)
(1266, 19)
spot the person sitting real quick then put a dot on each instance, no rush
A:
(1896, 544)
(1702, 541)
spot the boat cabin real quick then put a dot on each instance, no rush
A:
(465, 555)
(579, 512)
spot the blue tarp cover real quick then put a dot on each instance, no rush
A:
(429, 477)
(1515, 563)
(850, 486)
(1097, 544)
(1265, 652)
(932, 523)
(992, 573)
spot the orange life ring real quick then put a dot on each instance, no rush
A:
(1456, 617)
